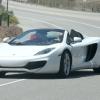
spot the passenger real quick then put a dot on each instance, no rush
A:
(33, 37)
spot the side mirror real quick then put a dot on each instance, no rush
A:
(77, 39)
(6, 39)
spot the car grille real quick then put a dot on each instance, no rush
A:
(34, 65)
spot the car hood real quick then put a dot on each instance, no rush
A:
(7, 50)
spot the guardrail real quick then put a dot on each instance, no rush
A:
(84, 5)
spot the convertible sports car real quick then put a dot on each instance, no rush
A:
(49, 51)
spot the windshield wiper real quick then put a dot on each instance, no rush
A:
(16, 43)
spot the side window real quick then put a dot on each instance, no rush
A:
(74, 33)
(57, 36)
(74, 37)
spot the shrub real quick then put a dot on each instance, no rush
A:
(12, 30)
(12, 19)
(4, 17)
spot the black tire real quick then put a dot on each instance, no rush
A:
(2, 74)
(65, 64)
(96, 70)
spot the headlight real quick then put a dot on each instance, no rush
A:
(45, 51)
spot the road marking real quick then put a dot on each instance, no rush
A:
(28, 9)
(20, 8)
(5, 84)
(82, 23)
(94, 26)
(29, 18)
(38, 20)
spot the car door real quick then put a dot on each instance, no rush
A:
(78, 50)
(79, 53)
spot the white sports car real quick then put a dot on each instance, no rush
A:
(50, 51)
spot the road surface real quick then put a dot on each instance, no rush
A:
(33, 16)
(82, 85)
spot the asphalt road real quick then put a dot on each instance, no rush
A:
(81, 85)
(37, 16)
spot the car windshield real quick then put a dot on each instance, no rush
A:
(39, 37)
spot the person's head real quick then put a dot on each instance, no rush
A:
(33, 37)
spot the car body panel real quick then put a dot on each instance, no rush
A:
(16, 57)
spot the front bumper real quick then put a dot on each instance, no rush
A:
(22, 64)
(42, 64)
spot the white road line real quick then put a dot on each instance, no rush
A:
(38, 20)
(45, 22)
(57, 25)
(19, 7)
(5, 84)
(82, 23)
(94, 26)
(54, 13)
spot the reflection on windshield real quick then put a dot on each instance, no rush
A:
(39, 37)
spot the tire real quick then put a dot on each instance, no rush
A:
(96, 70)
(2, 74)
(65, 64)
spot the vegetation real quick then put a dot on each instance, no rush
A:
(7, 17)
(12, 19)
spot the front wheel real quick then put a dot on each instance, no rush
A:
(65, 65)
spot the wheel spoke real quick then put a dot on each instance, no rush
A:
(66, 64)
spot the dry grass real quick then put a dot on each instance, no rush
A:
(9, 31)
